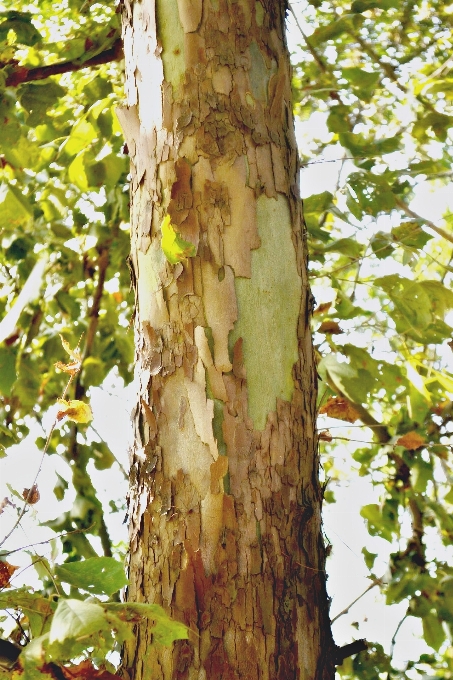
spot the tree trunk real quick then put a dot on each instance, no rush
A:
(224, 507)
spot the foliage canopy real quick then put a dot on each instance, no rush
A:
(374, 79)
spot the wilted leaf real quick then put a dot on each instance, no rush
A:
(76, 356)
(86, 671)
(6, 571)
(330, 327)
(411, 441)
(32, 495)
(174, 247)
(74, 410)
(322, 308)
(325, 436)
(340, 408)
(4, 503)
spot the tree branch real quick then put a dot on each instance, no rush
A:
(410, 213)
(342, 653)
(379, 430)
(21, 74)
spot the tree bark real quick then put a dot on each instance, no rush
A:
(225, 503)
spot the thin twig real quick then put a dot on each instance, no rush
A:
(310, 47)
(393, 641)
(31, 489)
(52, 538)
(123, 470)
(375, 583)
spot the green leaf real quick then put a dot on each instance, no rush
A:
(412, 306)
(422, 473)
(437, 122)
(93, 371)
(60, 487)
(347, 246)
(75, 619)
(363, 82)
(433, 631)
(165, 629)
(15, 210)
(77, 172)
(7, 369)
(360, 146)
(37, 98)
(356, 384)
(338, 120)
(331, 31)
(100, 575)
(103, 457)
(82, 134)
(38, 609)
(411, 234)
(317, 203)
(379, 522)
(20, 23)
(381, 245)
(369, 557)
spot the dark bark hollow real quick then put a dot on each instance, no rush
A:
(225, 503)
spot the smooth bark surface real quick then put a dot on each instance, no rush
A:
(225, 502)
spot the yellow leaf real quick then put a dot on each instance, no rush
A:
(174, 247)
(74, 410)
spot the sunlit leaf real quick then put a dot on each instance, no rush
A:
(174, 247)
(75, 410)
(96, 575)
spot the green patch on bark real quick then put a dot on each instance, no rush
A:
(259, 73)
(171, 35)
(259, 13)
(268, 305)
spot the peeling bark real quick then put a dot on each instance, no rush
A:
(224, 505)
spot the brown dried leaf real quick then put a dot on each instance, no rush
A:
(75, 365)
(322, 308)
(86, 671)
(411, 441)
(325, 436)
(330, 327)
(32, 495)
(6, 571)
(4, 503)
(340, 408)
(72, 369)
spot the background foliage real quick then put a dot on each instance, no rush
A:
(374, 78)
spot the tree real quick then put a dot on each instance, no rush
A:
(218, 137)
(224, 500)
